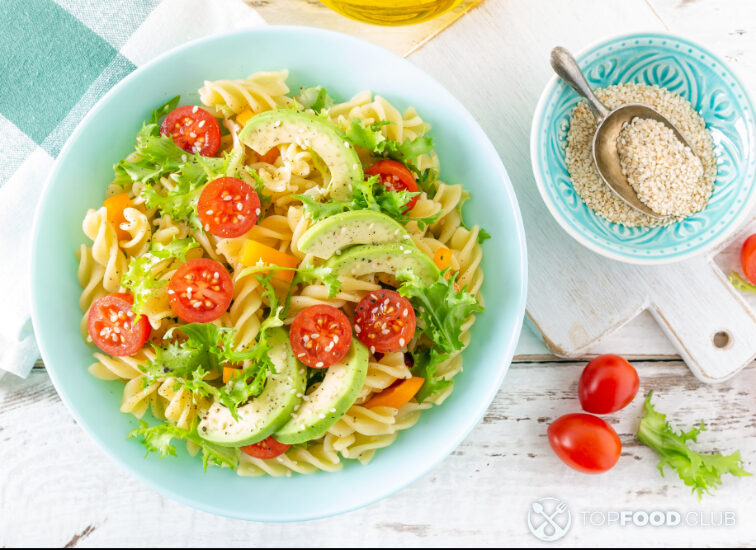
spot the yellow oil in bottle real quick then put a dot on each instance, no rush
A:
(391, 12)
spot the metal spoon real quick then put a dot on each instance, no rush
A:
(609, 126)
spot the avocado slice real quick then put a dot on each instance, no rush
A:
(271, 128)
(349, 228)
(267, 412)
(384, 258)
(328, 403)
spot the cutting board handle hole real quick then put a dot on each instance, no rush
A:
(722, 339)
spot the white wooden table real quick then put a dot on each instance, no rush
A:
(58, 489)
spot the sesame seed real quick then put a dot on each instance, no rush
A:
(664, 172)
(201, 124)
(319, 365)
(598, 196)
(195, 109)
(372, 349)
(257, 211)
(401, 342)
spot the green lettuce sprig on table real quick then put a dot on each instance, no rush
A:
(442, 310)
(701, 472)
(740, 283)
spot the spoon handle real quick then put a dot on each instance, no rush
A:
(567, 68)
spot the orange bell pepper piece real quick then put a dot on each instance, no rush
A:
(253, 252)
(229, 373)
(115, 206)
(398, 394)
(443, 259)
(243, 117)
(271, 156)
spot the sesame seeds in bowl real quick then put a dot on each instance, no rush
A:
(704, 100)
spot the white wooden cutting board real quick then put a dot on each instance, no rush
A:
(497, 66)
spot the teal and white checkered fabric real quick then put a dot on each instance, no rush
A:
(57, 59)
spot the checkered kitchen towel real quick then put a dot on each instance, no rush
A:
(57, 58)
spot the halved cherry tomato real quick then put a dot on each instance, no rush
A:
(228, 207)
(193, 129)
(266, 449)
(395, 176)
(585, 443)
(748, 258)
(320, 336)
(608, 383)
(384, 321)
(200, 291)
(113, 327)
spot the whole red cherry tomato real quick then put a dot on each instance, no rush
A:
(748, 258)
(585, 443)
(608, 383)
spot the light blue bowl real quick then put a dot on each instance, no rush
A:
(345, 66)
(716, 93)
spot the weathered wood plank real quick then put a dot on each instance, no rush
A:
(52, 475)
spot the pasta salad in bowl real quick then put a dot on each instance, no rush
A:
(263, 269)
(282, 280)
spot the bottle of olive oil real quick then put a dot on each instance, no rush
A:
(391, 12)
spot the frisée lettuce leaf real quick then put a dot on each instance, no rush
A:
(139, 278)
(701, 472)
(371, 138)
(368, 195)
(157, 439)
(207, 348)
(442, 310)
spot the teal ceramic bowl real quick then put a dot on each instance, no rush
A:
(716, 93)
(344, 66)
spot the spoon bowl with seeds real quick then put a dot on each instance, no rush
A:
(610, 124)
